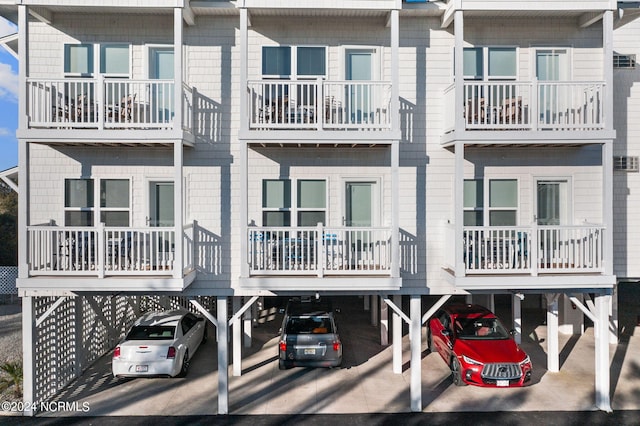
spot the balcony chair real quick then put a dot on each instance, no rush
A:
(511, 111)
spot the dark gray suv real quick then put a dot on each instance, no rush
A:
(309, 336)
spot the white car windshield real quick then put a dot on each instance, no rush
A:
(151, 332)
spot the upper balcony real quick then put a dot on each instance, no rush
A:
(73, 108)
(319, 110)
(526, 111)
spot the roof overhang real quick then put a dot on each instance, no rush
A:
(10, 177)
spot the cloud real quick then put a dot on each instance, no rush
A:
(6, 27)
(4, 132)
(8, 83)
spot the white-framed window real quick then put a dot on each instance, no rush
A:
(109, 59)
(113, 207)
(312, 202)
(295, 62)
(115, 59)
(490, 63)
(473, 202)
(115, 202)
(492, 201)
(303, 204)
(276, 202)
(503, 202)
(160, 63)
(79, 202)
(78, 59)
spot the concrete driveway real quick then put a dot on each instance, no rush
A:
(365, 383)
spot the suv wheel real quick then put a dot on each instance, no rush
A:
(456, 373)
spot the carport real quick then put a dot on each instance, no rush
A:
(85, 327)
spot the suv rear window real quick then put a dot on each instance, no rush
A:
(309, 325)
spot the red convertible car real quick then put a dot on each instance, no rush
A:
(477, 348)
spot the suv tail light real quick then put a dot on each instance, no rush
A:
(336, 345)
(282, 345)
(116, 352)
(171, 353)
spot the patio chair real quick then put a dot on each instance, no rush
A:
(511, 111)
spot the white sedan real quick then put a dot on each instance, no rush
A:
(159, 344)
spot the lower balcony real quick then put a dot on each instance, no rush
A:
(319, 251)
(108, 258)
(525, 256)
(320, 258)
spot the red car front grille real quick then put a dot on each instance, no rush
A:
(501, 372)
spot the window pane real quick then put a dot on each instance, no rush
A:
(276, 194)
(276, 60)
(78, 193)
(503, 193)
(311, 61)
(276, 219)
(311, 194)
(114, 193)
(78, 58)
(310, 218)
(114, 59)
(473, 193)
(502, 218)
(472, 62)
(115, 218)
(161, 63)
(502, 62)
(77, 218)
(473, 218)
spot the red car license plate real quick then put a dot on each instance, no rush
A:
(502, 383)
(142, 368)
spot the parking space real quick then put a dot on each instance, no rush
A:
(365, 382)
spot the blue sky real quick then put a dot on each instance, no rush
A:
(8, 103)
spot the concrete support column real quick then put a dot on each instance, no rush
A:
(396, 335)
(416, 353)
(223, 355)
(28, 354)
(553, 354)
(601, 326)
(516, 303)
(374, 310)
(247, 319)
(384, 324)
(571, 319)
(237, 338)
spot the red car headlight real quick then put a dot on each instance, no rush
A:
(471, 360)
(526, 360)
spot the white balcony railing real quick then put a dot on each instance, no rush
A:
(319, 251)
(106, 104)
(533, 249)
(319, 105)
(102, 251)
(521, 105)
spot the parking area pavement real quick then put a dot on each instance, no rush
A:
(364, 384)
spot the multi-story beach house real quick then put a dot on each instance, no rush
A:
(219, 152)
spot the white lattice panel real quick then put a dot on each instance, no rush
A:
(8, 276)
(82, 329)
